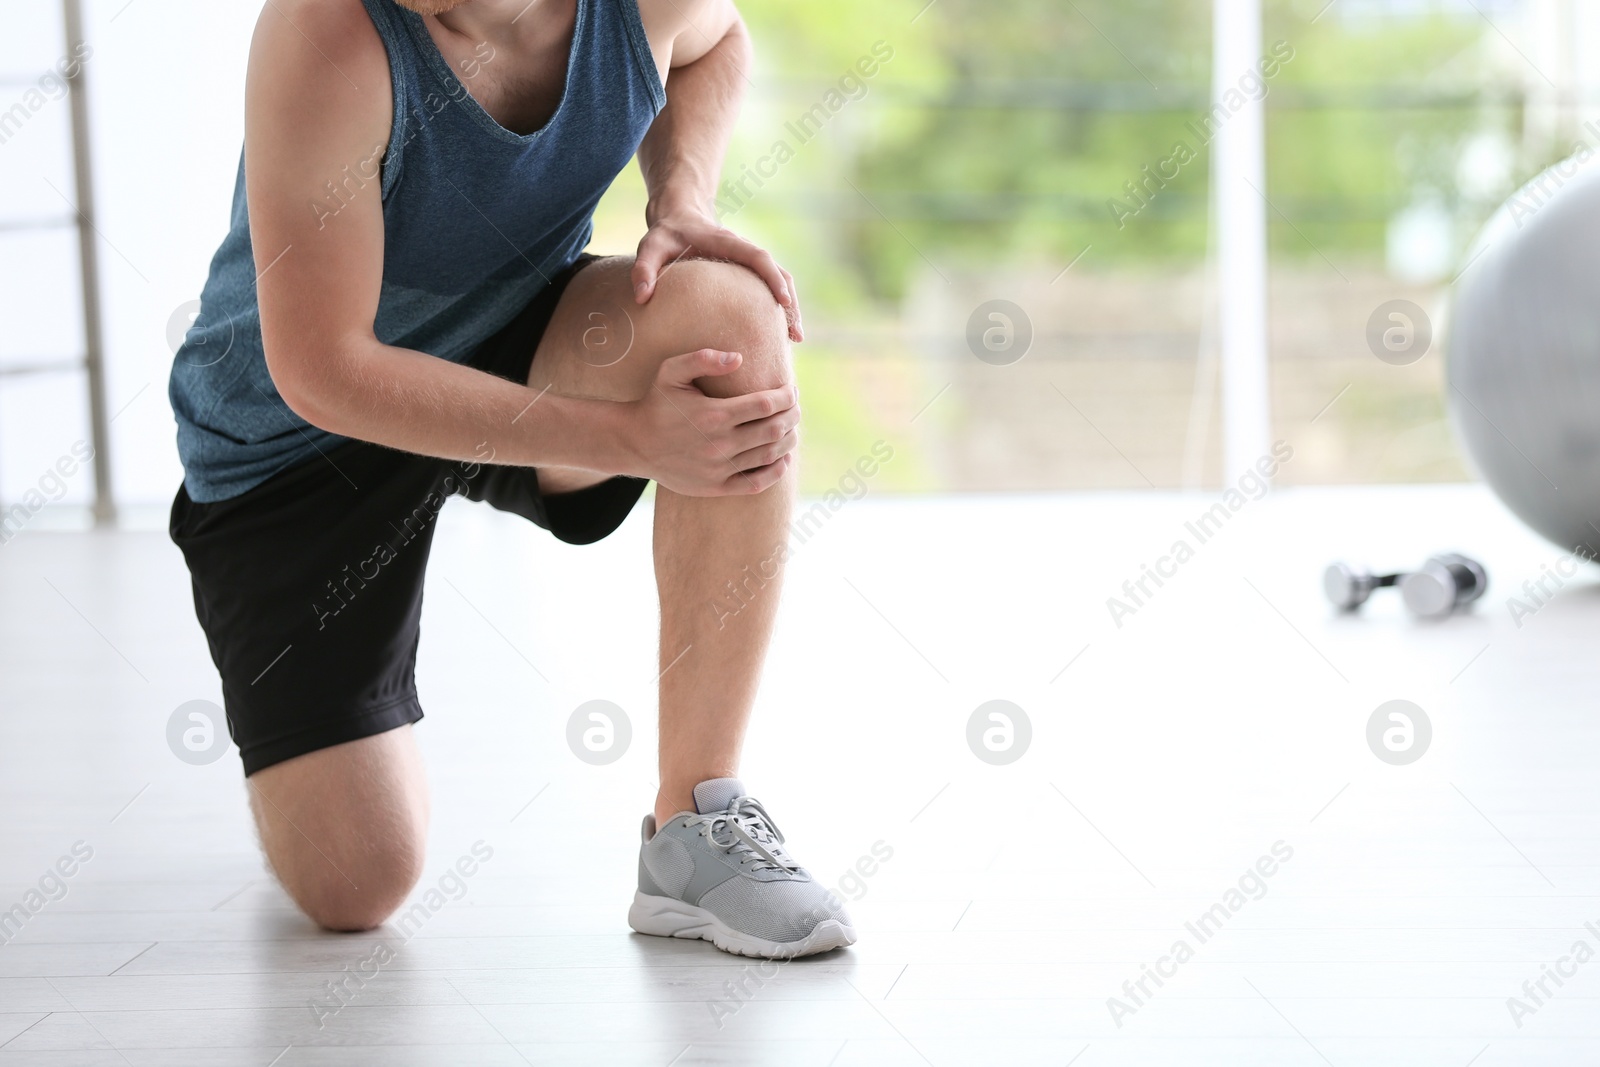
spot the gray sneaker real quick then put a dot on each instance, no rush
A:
(721, 873)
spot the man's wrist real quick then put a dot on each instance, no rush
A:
(587, 433)
(614, 438)
(677, 205)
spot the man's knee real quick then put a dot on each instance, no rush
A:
(728, 307)
(358, 892)
(345, 828)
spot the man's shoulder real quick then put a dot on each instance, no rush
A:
(318, 57)
(665, 20)
(332, 17)
(336, 34)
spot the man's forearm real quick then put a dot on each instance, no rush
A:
(681, 157)
(414, 402)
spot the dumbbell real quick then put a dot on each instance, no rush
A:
(1348, 588)
(1443, 584)
(1437, 588)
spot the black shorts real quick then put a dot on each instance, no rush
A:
(309, 586)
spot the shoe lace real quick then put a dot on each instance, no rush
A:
(746, 832)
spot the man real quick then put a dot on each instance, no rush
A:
(401, 312)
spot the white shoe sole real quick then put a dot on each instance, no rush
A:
(667, 917)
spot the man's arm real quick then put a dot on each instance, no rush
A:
(318, 100)
(681, 157)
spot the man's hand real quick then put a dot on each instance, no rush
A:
(674, 236)
(706, 446)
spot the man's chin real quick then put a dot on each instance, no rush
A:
(430, 7)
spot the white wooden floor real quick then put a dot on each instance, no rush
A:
(1227, 715)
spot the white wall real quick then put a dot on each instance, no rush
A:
(166, 82)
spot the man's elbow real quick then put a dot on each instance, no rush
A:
(303, 392)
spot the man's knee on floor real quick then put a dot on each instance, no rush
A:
(728, 307)
(353, 893)
(345, 827)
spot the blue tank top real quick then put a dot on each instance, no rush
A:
(476, 220)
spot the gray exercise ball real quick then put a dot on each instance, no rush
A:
(1524, 355)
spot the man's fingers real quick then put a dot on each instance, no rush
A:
(731, 246)
(647, 263)
(643, 277)
(764, 431)
(701, 363)
(762, 455)
(759, 480)
(752, 407)
(791, 310)
(763, 264)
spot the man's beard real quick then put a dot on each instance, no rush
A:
(430, 7)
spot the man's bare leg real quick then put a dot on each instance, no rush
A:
(721, 874)
(718, 559)
(345, 828)
(719, 571)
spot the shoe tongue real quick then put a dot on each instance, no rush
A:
(715, 794)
